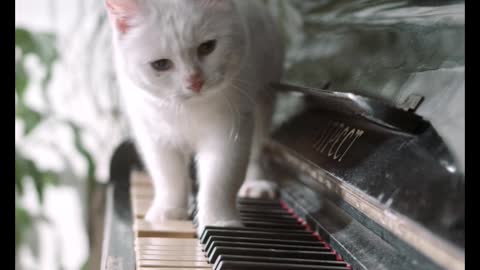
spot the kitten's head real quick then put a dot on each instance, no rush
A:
(178, 49)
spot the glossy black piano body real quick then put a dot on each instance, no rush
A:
(377, 182)
(377, 168)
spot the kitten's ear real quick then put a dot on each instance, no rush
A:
(123, 12)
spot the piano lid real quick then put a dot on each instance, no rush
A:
(393, 156)
(378, 111)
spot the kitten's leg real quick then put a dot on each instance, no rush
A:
(171, 181)
(222, 167)
(257, 185)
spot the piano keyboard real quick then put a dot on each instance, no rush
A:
(273, 238)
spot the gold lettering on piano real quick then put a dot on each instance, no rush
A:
(337, 140)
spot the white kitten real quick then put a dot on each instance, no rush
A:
(194, 76)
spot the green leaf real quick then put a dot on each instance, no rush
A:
(45, 82)
(39, 44)
(21, 79)
(37, 179)
(30, 117)
(23, 223)
(20, 170)
(24, 40)
(51, 178)
(25, 168)
(42, 179)
(86, 265)
(79, 145)
(46, 49)
(42, 45)
(91, 180)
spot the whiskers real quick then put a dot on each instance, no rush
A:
(243, 87)
(235, 129)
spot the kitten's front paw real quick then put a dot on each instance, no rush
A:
(258, 189)
(158, 215)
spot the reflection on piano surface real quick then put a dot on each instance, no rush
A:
(364, 185)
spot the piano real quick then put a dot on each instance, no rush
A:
(364, 184)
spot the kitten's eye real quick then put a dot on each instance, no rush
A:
(207, 48)
(162, 65)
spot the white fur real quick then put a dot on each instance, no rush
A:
(218, 127)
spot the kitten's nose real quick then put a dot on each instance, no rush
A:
(195, 82)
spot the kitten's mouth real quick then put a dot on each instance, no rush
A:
(185, 97)
(191, 96)
(209, 88)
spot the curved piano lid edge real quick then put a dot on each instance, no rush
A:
(378, 111)
(437, 249)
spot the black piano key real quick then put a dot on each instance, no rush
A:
(273, 238)
(277, 205)
(262, 246)
(242, 265)
(285, 219)
(277, 212)
(268, 217)
(250, 224)
(259, 211)
(311, 243)
(213, 228)
(280, 236)
(273, 225)
(194, 212)
(261, 208)
(270, 213)
(195, 221)
(255, 232)
(245, 201)
(254, 202)
(226, 258)
(259, 221)
(257, 252)
(292, 220)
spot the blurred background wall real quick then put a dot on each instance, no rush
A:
(67, 123)
(68, 116)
